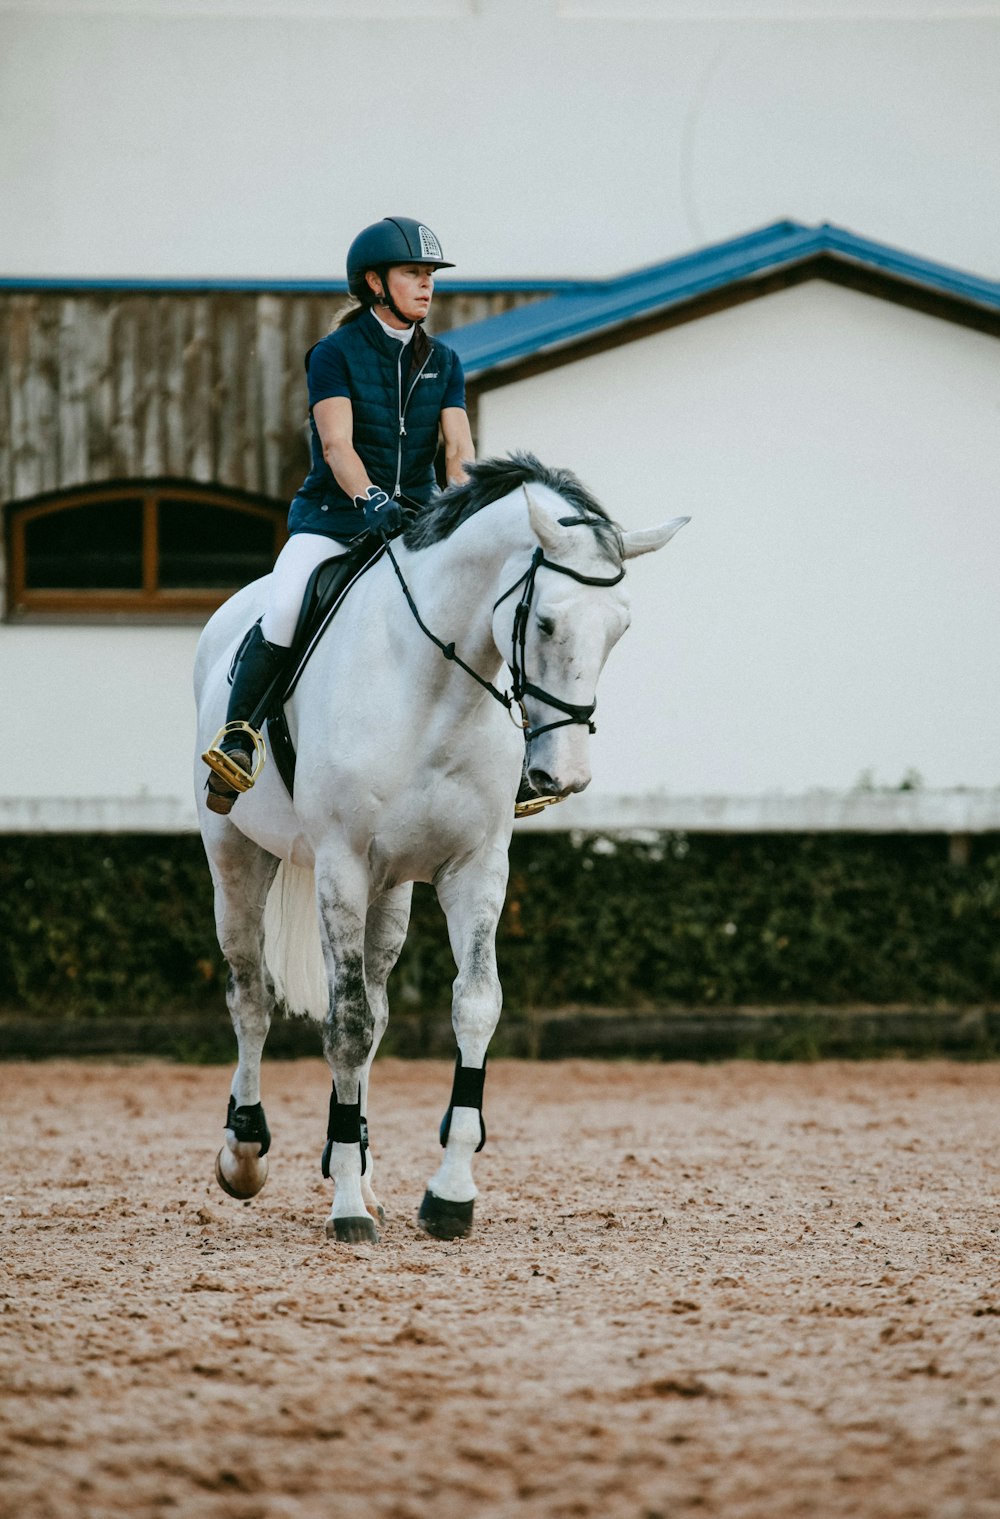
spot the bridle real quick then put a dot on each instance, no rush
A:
(520, 685)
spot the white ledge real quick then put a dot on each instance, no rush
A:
(97, 814)
(810, 812)
(951, 812)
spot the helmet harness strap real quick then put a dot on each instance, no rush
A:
(386, 298)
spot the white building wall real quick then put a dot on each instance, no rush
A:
(101, 727)
(227, 138)
(830, 616)
(195, 138)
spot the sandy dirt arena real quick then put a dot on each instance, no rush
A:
(739, 1290)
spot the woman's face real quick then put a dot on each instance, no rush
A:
(411, 287)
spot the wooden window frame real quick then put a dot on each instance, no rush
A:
(152, 599)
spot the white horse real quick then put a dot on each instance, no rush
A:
(407, 771)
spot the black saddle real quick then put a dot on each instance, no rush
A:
(327, 587)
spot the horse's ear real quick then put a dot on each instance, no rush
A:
(647, 539)
(544, 527)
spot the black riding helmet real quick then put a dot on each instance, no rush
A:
(393, 240)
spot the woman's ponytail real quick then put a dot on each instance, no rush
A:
(349, 312)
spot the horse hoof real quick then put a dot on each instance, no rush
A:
(377, 1212)
(444, 1219)
(246, 1176)
(352, 1231)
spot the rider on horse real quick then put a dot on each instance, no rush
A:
(380, 391)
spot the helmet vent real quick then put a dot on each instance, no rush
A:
(429, 245)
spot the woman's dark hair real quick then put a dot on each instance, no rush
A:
(362, 299)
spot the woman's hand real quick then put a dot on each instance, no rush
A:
(383, 516)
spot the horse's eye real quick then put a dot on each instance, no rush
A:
(546, 626)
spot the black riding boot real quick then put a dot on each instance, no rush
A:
(258, 665)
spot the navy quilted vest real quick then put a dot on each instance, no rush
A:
(396, 396)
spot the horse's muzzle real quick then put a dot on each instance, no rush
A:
(552, 786)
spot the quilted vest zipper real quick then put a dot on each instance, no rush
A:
(402, 412)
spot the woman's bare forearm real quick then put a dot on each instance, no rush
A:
(348, 470)
(455, 460)
(459, 449)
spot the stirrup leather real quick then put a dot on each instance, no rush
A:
(529, 808)
(219, 761)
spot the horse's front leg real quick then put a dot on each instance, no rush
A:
(242, 873)
(385, 934)
(472, 899)
(343, 895)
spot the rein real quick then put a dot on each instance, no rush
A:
(521, 687)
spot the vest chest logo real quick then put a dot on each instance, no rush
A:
(432, 374)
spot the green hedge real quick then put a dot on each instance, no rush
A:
(108, 925)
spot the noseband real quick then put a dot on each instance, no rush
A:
(521, 687)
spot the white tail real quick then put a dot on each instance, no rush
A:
(292, 948)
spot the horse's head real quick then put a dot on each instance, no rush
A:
(569, 611)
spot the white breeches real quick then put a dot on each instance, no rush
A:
(292, 568)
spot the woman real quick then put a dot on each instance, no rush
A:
(380, 392)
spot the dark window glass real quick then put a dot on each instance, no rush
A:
(211, 547)
(94, 547)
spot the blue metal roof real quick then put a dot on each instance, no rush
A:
(600, 306)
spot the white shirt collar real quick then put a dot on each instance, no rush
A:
(394, 332)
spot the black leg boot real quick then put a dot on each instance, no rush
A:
(258, 666)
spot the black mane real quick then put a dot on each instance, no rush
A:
(489, 480)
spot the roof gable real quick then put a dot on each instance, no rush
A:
(498, 349)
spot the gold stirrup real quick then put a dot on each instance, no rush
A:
(536, 804)
(218, 760)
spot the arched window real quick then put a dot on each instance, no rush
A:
(142, 546)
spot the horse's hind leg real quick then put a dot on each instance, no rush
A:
(242, 873)
(385, 934)
(343, 896)
(473, 900)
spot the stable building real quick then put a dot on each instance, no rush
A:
(816, 650)
(152, 434)
(819, 647)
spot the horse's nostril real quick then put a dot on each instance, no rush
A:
(543, 782)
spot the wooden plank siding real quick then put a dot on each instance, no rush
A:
(204, 386)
